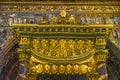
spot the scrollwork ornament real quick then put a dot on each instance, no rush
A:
(40, 68)
(83, 68)
(47, 68)
(61, 69)
(54, 69)
(76, 69)
(68, 69)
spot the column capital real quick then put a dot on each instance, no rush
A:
(101, 55)
(24, 54)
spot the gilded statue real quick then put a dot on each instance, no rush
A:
(80, 44)
(62, 13)
(63, 16)
(72, 19)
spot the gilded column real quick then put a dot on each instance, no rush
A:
(24, 57)
(101, 57)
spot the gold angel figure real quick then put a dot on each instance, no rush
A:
(80, 44)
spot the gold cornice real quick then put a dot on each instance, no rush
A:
(58, 25)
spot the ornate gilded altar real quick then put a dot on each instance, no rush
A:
(62, 49)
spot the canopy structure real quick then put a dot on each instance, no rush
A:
(61, 39)
(62, 49)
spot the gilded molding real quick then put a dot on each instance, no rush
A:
(61, 68)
